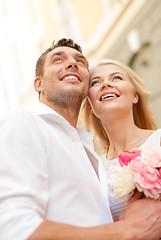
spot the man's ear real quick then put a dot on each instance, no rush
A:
(38, 84)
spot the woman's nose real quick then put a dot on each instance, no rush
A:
(106, 83)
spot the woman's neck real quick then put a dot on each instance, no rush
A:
(123, 135)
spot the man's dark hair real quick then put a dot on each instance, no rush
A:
(64, 42)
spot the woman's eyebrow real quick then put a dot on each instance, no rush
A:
(98, 77)
(95, 77)
(115, 73)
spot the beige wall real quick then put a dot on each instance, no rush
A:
(89, 13)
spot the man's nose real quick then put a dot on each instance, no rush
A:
(72, 64)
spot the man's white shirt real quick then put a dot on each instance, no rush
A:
(45, 173)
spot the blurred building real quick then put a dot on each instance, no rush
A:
(136, 41)
(127, 30)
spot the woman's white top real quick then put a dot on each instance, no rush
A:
(117, 207)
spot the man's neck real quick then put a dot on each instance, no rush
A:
(69, 113)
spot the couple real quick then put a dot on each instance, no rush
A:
(49, 171)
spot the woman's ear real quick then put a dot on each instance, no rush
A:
(38, 84)
(89, 105)
(136, 98)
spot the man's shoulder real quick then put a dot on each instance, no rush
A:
(18, 114)
(24, 125)
(19, 117)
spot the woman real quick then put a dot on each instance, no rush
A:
(118, 114)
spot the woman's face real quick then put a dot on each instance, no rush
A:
(111, 91)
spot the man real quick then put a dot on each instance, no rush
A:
(49, 189)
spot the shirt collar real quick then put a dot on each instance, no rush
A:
(43, 110)
(86, 138)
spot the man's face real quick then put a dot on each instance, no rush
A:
(65, 77)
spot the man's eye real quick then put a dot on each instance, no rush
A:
(81, 61)
(57, 59)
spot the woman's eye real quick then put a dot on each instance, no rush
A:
(117, 78)
(96, 82)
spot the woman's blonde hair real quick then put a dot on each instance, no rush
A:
(143, 116)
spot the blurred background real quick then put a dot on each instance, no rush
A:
(126, 30)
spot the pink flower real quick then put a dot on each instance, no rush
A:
(137, 169)
(126, 156)
(147, 178)
(153, 156)
(138, 165)
(154, 192)
(160, 172)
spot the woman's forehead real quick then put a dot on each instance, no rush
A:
(107, 68)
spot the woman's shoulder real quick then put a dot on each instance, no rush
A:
(154, 138)
(154, 133)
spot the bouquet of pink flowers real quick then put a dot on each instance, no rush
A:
(136, 169)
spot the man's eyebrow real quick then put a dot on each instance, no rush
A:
(82, 57)
(64, 53)
(57, 53)
(79, 55)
